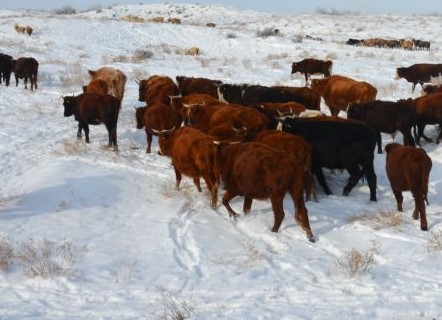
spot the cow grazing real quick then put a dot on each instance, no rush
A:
(19, 28)
(386, 116)
(156, 117)
(29, 30)
(97, 86)
(193, 155)
(157, 89)
(312, 66)
(408, 169)
(428, 111)
(93, 108)
(193, 51)
(339, 91)
(174, 20)
(6, 62)
(188, 85)
(258, 171)
(338, 144)
(26, 68)
(254, 94)
(115, 79)
(419, 73)
(157, 19)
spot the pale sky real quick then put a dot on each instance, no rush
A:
(294, 6)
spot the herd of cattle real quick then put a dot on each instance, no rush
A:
(23, 68)
(262, 142)
(407, 44)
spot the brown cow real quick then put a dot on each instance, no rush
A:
(193, 51)
(190, 85)
(157, 117)
(258, 171)
(428, 111)
(157, 89)
(312, 66)
(193, 155)
(97, 86)
(29, 30)
(431, 88)
(93, 108)
(293, 145)
(339, 91)
(26, 68)
(419, 73)
(408, 169)
(386, 116)
(115, 79)
(174, 20)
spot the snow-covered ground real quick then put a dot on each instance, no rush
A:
(142, 248)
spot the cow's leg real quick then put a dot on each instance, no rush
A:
(319, 174)
(226, 199)
(247, 204)
(278, 211)
(399, 199)
(26, 82)
(196, 182)
(16, 81)
(149, 141)
(306, 79)
(301, 215)
(408, 138)
(355, 175)
(114, 138)
(420, 130)
(86, 132)
(177, 178)
(379, 142)
(213, 188)
(370, 175)
(419, 210)
(439, 137)
(80, 126)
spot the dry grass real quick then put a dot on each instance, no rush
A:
(73, 147)
(73, 76)
(356, 262)
(381, 219)
(46, 258)
(176, 308)
(132, 18)
(435, 241)
(6, 253)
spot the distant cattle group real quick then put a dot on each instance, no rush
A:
(407, 44)
(25, 68)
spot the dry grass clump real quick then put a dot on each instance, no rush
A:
(231, 35)
(356, 262)
(73, 76)
(65, 10)
(435, 241)
(72, 147)
(381, 219)
(6, 253)
(176, 308)
(46, 258)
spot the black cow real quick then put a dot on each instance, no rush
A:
(420, 73)
(5, 68)
(354, 42)
(94, 108)
(253, 94)
(338, 144)
(386, 116)
(26, 68)
(312, 66)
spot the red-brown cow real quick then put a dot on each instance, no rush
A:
(293, 145)
(428, 111)
(312, 66)
(339, 91)
(157, 117)
(193, 155)
(190, 85)
(419, 73)
(115, 79)
(96, 86)
(257, 171)
(157, 89)
(408, 169)
(93, 108)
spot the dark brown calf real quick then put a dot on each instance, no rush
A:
(312, 66)
(408, 169)
(93, 108)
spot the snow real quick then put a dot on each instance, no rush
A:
(139, 244)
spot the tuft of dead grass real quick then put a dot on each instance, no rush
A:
(132, 18)
(6, 253)
(46, 258)
(380, 220)
(356, 262)
(176, 308)
(435, 241)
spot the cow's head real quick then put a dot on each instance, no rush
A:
(139, 116)
(142, 89)
(391, 146)
(295, 67)
(69, 105)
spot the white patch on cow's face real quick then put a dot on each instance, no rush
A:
(279, 126)
(220, 95)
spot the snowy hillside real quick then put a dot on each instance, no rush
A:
(130, 246)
